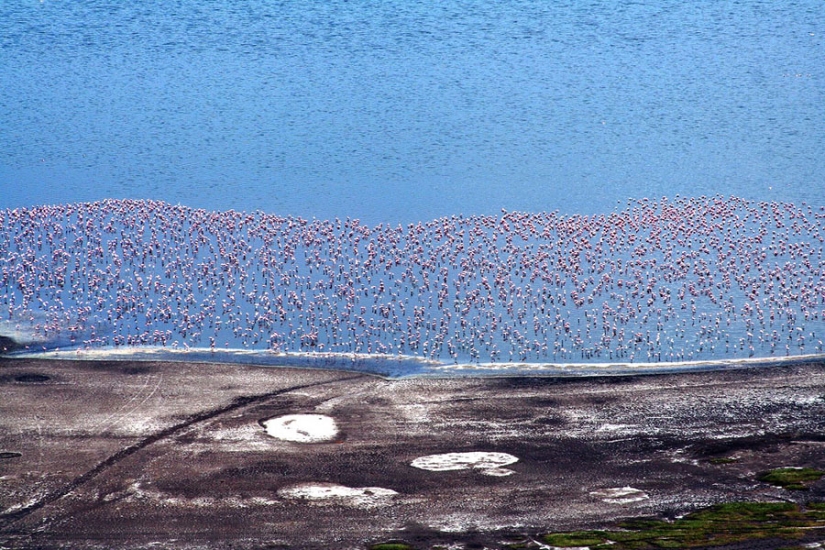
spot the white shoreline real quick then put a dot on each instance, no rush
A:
(404, 366)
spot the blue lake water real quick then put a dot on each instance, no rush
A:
(397, 113)
(405, 111)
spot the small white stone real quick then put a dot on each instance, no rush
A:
(497, 472)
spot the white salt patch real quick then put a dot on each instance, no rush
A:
(483, 461)
(414, 413)
(621, 495)
(302, 428)
(236, 439)
(463, 522)
(497, 472)
(356, 496)
(136, 491)
(615, 427)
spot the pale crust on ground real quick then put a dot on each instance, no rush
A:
(353, 496)
(620, 495)
(131, 455)
(302, 428)
(478, 460)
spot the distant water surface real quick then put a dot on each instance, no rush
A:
(398, 111)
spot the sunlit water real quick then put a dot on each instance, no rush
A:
(379, 115)
(401, 112)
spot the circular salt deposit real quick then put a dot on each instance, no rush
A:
(488, 463)
(302, 428)
(621, 495)
(358, 496)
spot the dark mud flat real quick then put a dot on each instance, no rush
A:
(170, 455)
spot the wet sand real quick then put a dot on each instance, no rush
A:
(120, 454)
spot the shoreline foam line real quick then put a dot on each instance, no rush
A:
(600, 369)
(402, 366)
(388, 366)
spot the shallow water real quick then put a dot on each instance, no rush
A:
(376, 115)
(396, 367)
(693, 280)
(402, 112)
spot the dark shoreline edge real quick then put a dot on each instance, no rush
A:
(9, 345)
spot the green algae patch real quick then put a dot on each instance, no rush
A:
(793, 479)
(720, 461)
(576, 539)
(720, 525)
(391, 546)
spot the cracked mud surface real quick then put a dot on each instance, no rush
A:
(176, 455)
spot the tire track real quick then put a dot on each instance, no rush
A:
(9, 518)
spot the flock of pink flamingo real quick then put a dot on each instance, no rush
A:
(660, 280)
